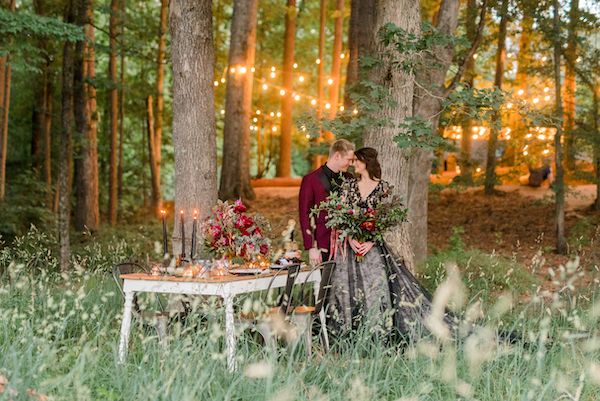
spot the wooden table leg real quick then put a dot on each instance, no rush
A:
(229, 332)
(125, 326)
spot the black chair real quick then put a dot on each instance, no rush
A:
(158, 320)
(268, 322)
(303, 316)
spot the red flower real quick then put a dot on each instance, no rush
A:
(264, 249)
(351, 211)
(339, 207)
(257, 231)
(239, 206)
(368, 225)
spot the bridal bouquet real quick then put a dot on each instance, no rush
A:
(232, 232)
(362, 224)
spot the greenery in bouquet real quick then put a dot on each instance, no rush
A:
(231, 231)
(362, 224)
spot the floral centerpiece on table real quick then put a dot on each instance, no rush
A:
(349, 220)
(232, 232)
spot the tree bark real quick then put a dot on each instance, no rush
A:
(336, 63)
(317, 158)
(559, 184)
(235, 170)
(596, 122)
(4, 109)
(87, 213)
(160, 104)
(121, 101)
(193, 110)
(113, 182)
(570, 87)
(465, 162)
(428, 103)
(490, 168)
(152, 152)
(47, 133)
(65, 148)
(362, 18)
(284, 165)
(400, 86)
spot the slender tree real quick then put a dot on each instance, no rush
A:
(87, 213)
(113, 181)
(235, 171)
(152, 152)
(570, 86)
(160, 105)
(4, 109)
(122, 16)
(559, 184)
(465, 162)
(336, 62)
(193, 109)
(284, 165)
(65, 146)
(490, 168)
(317, 159)
(362, 18)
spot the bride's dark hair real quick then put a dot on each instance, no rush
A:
(369, 157)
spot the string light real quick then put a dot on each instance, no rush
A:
(243, 70)
(222, 111)
(258, 112)
(273, 75)
(341, 108)
(343, 55)
(255, 119)
(536, 100)
(327, 106)
(295, 65)
(509, 105)
(475, 56)
(546, 151)
(318, 61)
(252, 69)
(216, 83)
(272, 114)
(307, 136)
(278, 114)
(546, 89)
(330, 81)
(301, 78)
(544, 59)
(547, 98)
(222, 80)
(282, 92)
(273, 68)
(274, 129)
(520, 92)
(313, 102)
(265, 87)
(355, 111)
(296, 97)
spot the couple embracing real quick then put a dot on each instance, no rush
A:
(377, 286)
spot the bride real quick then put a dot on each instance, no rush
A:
(379, 287)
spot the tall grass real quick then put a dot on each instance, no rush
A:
(59, 337)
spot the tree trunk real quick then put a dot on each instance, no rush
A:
(400, 86)
(121, 101)
(65, 148)
(284, 166)
(113, 182)
(87, 213)
(37, 121)
(490, 168)
(570, 87)
(336, 63)
(235, 170)
(193, 110)
(47, 132)
(524, 59)
(317, 158)
(362, 18)
(596, 122)
(160, 104)
(559, 184)
(4, 109)
(465, 162)
(152, 152)
(428, 101)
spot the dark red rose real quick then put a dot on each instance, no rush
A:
(338, 207)
(257, 231)
(351, 211)
(368, 225)
(239, 206)
(243, 251)
(264, 249)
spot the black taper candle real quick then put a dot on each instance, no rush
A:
(163, 213)
(193, 250)
(182, 223)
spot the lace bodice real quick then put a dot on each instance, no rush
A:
(350, 192)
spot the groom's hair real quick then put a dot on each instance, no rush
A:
(341, 145)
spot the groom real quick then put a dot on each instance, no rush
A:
(314, 189)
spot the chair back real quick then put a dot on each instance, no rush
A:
(127, 268)
(286, 300)
(325, 285)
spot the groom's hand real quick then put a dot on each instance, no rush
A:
(315, 257)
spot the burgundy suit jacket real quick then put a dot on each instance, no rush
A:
(313, 190)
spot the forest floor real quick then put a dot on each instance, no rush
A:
(517, 222)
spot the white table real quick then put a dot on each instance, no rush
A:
(226, 287)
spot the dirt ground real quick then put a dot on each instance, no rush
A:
(518, 222)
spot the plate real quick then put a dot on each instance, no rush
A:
(245, 271)
(281, 267)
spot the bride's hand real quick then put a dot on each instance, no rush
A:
(355, 245)
(365, 247)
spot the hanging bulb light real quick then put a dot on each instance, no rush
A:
(341, 108)
(278, 114)
(313, 102)
(282, 92)
(295, 65)
(272, 75)
(301, 78)
(265, 87)
(243, 70)
(222, 80)
(327, 106)
(330, 81)
(355, 111)
(296, 97)
(216, 83)
(318, 61)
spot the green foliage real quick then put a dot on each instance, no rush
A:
(23, 24)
